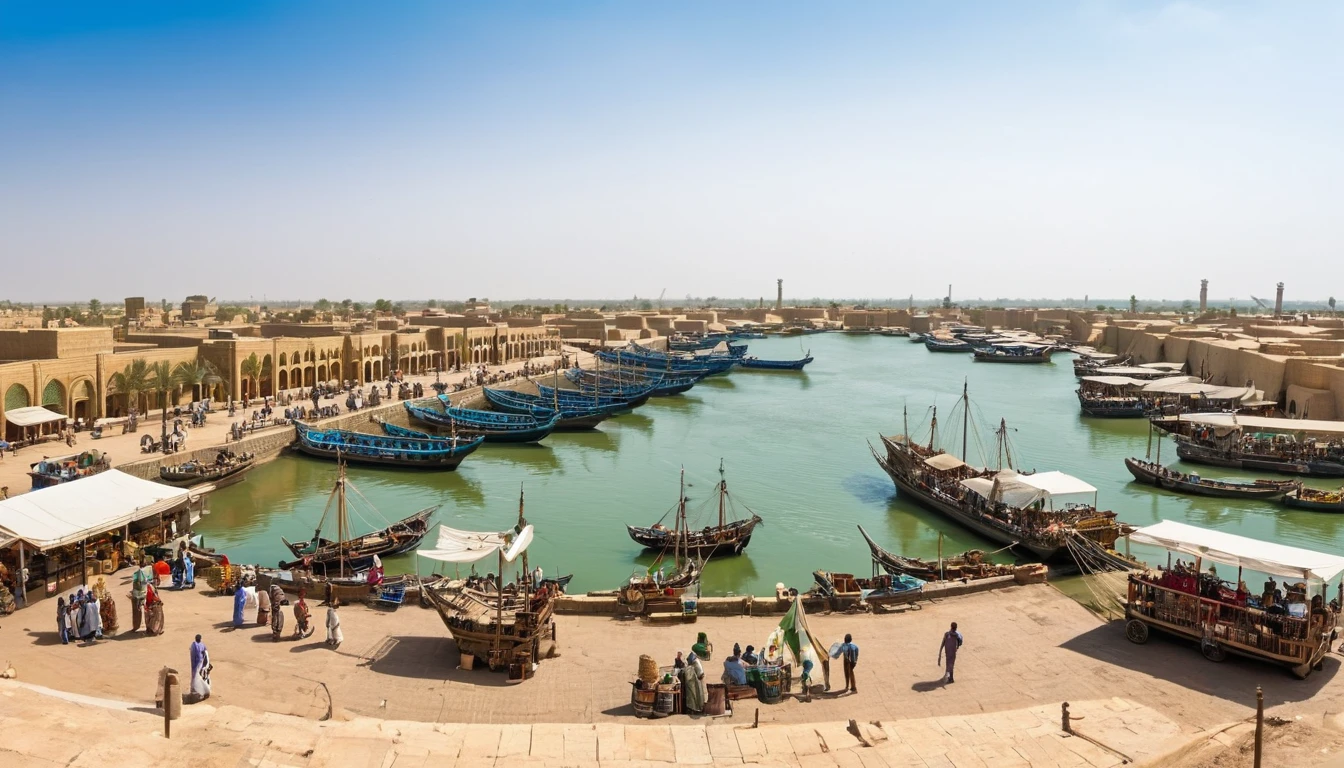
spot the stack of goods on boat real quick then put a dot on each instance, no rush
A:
(494, 426)
(1287, 446)
(1292, 624)
(509, 627)
(397, 448)
(227, 469)
(1153, 473)
(63, 469)
(845, 591)
(1315, 500)
(348, 553)
(1013, 352)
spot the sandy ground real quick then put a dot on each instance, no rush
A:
(125, 448)
(1025, 646)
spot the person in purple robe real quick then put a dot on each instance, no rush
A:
(952, 640)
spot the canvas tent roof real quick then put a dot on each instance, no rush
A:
(73, 511)
(1264, 423)
(1228, 548)
(31, 415)
(944, 461)
(1182, 385)
(1018, 490)
(456, 546)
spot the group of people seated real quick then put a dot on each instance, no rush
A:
(1275, 601)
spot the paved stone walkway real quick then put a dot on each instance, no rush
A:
(41, 729)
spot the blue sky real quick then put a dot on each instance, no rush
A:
(437, 149)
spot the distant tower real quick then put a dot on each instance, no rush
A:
(779, 295)
(1203, 296)
(1278, 301)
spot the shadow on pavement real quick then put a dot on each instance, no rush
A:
(1179, 661)
(428, 658)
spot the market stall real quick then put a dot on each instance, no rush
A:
(67, 535)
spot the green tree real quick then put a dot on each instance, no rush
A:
(357, 306)
(1332, 304)
(132, 381)
(198, 374)
(1133, 305)
(382, 305)
(95, 307)
(254, 370)
(1187, 306)
(1101, 307)
(322, 305)
(432, 303)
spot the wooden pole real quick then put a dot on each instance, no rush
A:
(1259, 723)
(22, 581)
(942, 576)
(167, 708)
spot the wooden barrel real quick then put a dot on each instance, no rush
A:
(717, 700)
(665, 701)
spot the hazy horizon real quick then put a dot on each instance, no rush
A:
(307, 148)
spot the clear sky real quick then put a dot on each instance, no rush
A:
(608, 149)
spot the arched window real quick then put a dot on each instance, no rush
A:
(17, 397)
(53, 396)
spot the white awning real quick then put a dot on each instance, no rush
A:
(1018, 490)
(1233, 421)
(944, 461)
(455, 546)
(1163, 366)
(1243, 552)
(1187, 385)
(1114, 381)
(32, 415)
(78, 509)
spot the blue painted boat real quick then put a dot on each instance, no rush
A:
(572, 418)
(946, 345)
(495, 427)
(396, 430)
(386, 450)
(755, 363)
(656, 360)
(664, 384)
(575, 398)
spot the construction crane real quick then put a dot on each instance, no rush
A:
(1263, 304)
(660, 299)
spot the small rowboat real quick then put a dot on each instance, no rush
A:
(226, 469)
(1315, 500)
(755, 363)
(1194, 485)
(967, 565)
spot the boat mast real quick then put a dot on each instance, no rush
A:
(965, 419)
(681, 512)
(522, 522)
(723, 492)
(340, 514)
(933, 428)
(905, 423)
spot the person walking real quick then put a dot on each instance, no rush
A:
(200, 671)
(139, 580)
(334, 635)
(63, 620)
(849, 651)
(952, 641)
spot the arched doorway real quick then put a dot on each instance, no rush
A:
(81, 397)
(368, 372)
(335, 372)
(322, 373)
(283, 379)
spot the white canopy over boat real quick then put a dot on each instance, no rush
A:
(1231, 422)
(1018, 490)
(1243, 552)
(456, 546)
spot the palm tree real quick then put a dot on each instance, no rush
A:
(133, 382)
(254, 370)
(162, 381)
(198, 374)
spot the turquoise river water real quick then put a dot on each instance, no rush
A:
(795, 448)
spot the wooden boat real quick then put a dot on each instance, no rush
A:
(663, 384)
(63, 469)
(347, 554)
(575, 398)
(495, 427)
(970, 564)
(509, 627)
(650, 591)
(1192, 484)
(842, 591)
(728, 537)
(226, 469)
(1008, 353)
(680, 363)
(1315, 500)
(934, 344)
(947, 485)
(1194, 604)
(572, 418)
(396, 430)
(385, 450)
(916, 338)
(1285, 446)
(755, 363)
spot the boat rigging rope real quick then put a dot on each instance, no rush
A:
(1097, 573)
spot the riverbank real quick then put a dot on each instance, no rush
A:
(1028, 649)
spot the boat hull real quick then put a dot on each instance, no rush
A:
(702, 552)
(965, 519)
(1149, 476)
(389, 460)
(1293, 501)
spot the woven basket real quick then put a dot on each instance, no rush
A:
(648, 669)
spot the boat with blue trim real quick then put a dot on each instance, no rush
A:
(755, 363)
(386, 450)
(495, 427)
